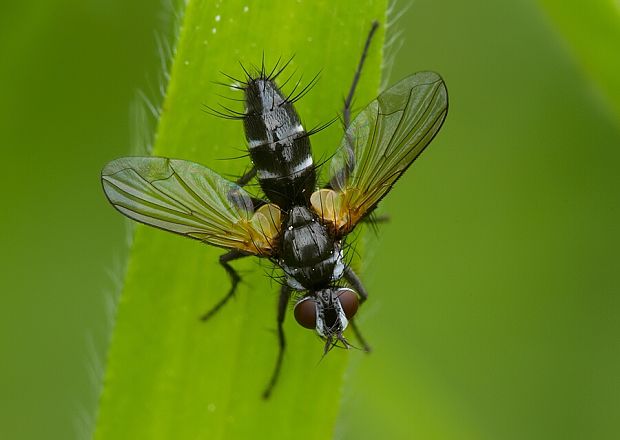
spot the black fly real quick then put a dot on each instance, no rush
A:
(301, 229)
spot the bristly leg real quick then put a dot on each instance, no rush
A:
(225, 259)
(376, 219)
(373, 221)
(359, 337)
(349, 165)
(351, 277)
(346, 113)
(285, 293)
(243, 180)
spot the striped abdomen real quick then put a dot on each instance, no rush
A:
(278, 144)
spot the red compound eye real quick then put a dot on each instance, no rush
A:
(305, 313)
(348, 301)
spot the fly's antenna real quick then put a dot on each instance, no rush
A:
(329, 345)
(331, 342)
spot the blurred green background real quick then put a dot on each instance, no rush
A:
(494, 297)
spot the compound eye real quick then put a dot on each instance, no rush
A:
(348, 301)
(305, 312)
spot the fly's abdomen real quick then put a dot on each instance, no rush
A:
(278, 144)
(309, 256)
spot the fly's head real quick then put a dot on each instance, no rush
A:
(328, 311)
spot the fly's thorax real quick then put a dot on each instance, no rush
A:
(309, 255)
(278, 144)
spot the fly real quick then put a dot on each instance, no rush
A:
(300, 228)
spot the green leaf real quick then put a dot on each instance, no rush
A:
(592, 32)
(168, 374)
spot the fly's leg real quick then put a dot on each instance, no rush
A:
(243, 180)
(343, 174)
(359, 336)
(225, 260)
(357, 285)
(376, 219)
(285, 293)
(346, 113)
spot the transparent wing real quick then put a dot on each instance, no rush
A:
(379, 146)
(191, 200)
